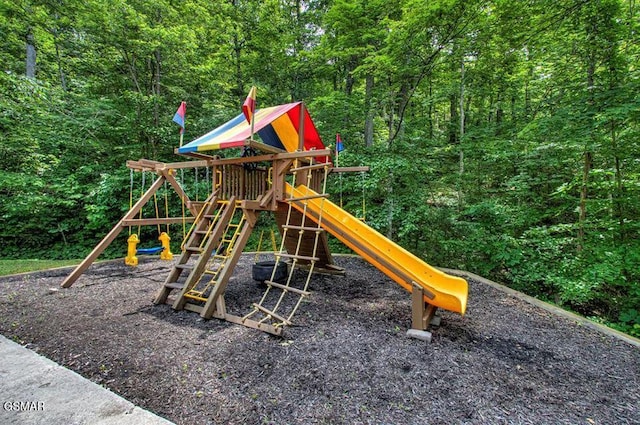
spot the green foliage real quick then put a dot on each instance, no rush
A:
(9, 267)
(537, 187)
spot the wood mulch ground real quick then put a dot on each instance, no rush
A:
(348, 360)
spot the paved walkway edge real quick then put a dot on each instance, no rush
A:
(36, 390)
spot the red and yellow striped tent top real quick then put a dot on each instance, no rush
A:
(277, 126)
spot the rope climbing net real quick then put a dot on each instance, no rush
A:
(280, 301)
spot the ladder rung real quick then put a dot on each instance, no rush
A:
(202, 232)
(209, 216)
(211, 272)
(183, 266)
(174, 285)
(193, 307)
(193, 248)
(303, 228)
(309, 167)
(198, 297)
(298, 257)
(304, 198)
(271, 313)
(287, 288)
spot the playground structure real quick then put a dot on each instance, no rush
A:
(285, 174)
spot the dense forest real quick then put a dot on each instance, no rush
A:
(503, 136)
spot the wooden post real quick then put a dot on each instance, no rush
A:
(301, 128)
(421, 312)
(168, 175)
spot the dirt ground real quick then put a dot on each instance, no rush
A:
(348, 360)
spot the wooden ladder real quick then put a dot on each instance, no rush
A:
(198, 240)
(203, 291)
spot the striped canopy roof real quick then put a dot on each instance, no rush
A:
(277, 127)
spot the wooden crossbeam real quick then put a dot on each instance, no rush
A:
(265, 327)
(349, 169)
(152, 221)
(270, 313)
(309, 167)
(149, 165)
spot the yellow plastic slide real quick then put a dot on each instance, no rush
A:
(445, 291)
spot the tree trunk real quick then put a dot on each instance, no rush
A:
(461, 154)
(619, 187)
(404, 96)
(63, 79)
(588, 155)
(368, 122)
(156, 96)
(453, 111)
(588, 160)
(430, 108)
(54, 32)
(31, 56)
(390, 209)
(392, 111)
(349, 81)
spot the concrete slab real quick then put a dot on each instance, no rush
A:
(35, 390)
(418, 334)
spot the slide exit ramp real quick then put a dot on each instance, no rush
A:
(441, 290)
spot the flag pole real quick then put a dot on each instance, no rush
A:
(249, 109)
(179, 118)
(338, 165)
(251, 122)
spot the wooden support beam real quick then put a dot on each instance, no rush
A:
(198, 155)
(142, 164)
(301, 127)
(349, 169)
(421, 312)
(149, 165)
(270, 157)
(115, 231)
(267, 201)
(271, 314)
(153, 221)
(305, 154)
(168, 175)
(186, 164)
(262, 146)
(309, 167)
(254, 324)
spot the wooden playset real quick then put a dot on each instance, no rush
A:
(285, 173)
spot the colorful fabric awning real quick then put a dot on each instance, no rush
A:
(277, 126)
